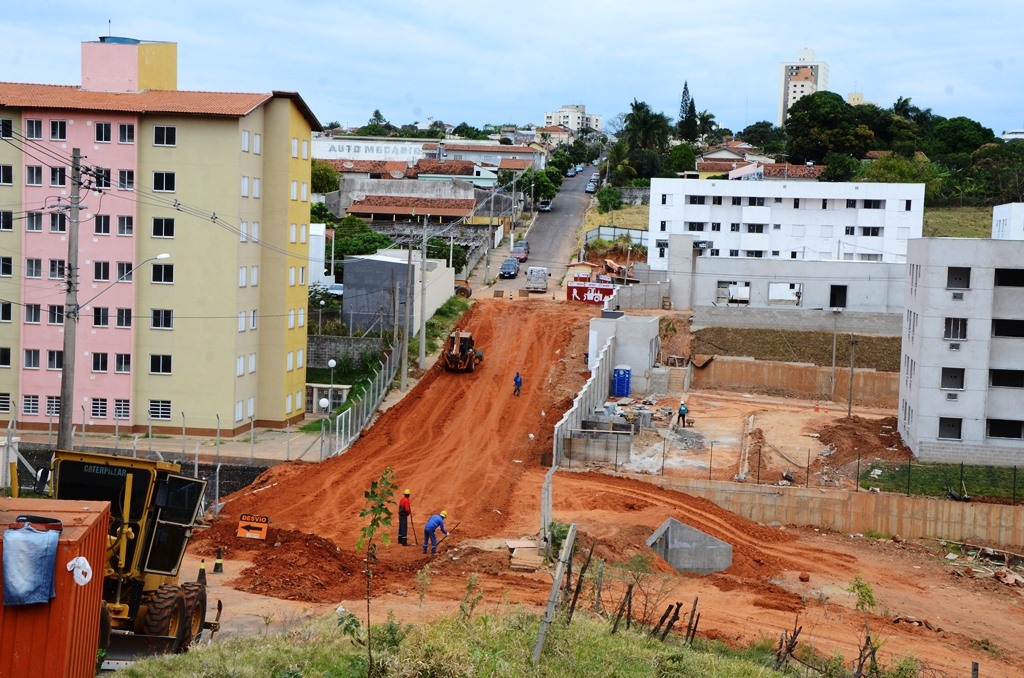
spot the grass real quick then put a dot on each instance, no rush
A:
(957, 222)
(879, 353)
(932, 479)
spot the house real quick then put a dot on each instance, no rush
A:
(377, 287)
(191, 234)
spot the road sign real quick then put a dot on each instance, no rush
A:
(252, 527)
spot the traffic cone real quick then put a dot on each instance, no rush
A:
(218, 565)
(202, 572)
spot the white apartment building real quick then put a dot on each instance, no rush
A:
(962, 373)
(1008, 221)
(575, 117)
(817, 221)
(800, 78)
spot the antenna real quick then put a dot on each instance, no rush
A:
(108, 28)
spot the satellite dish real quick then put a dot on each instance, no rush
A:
(348, 164)
(358, 197)
(396, 174)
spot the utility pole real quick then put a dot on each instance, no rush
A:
(849, 403)
(423, 296)
(67, 374)
(490, 240)
(404, 382)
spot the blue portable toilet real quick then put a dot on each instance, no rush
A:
(621, 376)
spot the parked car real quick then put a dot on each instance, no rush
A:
(595, 177)
(591, 187)
(337, 289)
(520, 254)
(509, 268)
(571, 172)
(544, 206)
(522, 243)
(579, 168)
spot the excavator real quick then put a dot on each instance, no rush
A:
(460, 353)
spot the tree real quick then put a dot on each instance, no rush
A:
(766, 136)
(897, 169)
(999, 170)
(684, 107)
(320, 214)
(323, 178)
(360, 243)
(379, 498)
(839, 167)
(823, 123)
(956, 135)
(705, 125)
(608, 199)
(680, 159)
(645, 129)
(455, 255)
(467, 131)
(689, 125)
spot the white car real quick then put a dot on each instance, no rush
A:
(337, 289)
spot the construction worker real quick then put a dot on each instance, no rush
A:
(517, 381)
(430, 531)
(404, 511)
(683, 411)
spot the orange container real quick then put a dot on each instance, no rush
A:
(59, 638)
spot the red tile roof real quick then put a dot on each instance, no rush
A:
(462, 168)
(386, 168)
(515, 163)
(781, 170)
(399, 204)
(721, 165)
(223, 104)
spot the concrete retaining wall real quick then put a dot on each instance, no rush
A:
(993, 525)
(886, 324)
(746, 373)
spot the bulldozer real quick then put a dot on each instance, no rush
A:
(145, 610)
(460, 353)
(463, 289)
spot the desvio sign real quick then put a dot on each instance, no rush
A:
(589, 292)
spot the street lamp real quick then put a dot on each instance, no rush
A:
(332, 363)
(320, 322)
(67, 374)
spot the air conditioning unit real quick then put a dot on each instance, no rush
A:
(958, 296)
(952, 396)
(954, 346)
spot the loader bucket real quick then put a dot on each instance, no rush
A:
(128, 647)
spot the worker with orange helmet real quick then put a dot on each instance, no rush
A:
(430, 531)
(404, 511)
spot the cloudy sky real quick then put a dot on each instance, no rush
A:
(511, 62)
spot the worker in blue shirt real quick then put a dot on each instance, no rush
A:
(430, 531)
(683, 411)
(517, 382)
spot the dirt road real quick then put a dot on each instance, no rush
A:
(464, 443)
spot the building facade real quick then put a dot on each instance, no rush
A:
(962, 372)
(785, 219)
(574, 117)
(800, 78)
(212, 335)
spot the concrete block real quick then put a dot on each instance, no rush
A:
(687, 549)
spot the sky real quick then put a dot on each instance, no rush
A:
(502, 63)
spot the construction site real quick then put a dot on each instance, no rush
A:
(462, 442)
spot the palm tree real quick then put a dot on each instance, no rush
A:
(645, 129)
(705, 125)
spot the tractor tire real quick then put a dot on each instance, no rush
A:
(165, 615)
(479, 356)
(462, 291)
(471, 364)
(195, 612)
(104, 626)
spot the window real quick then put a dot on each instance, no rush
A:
(289, 363)
(54, 360)
(163, 228)
(292, 230)
(58, 222)
(257, 143)
(243, 231)
(164, 136)
(100, 316)
(291, 275)
(160, 364)
(125, 180)
(871, 231)
(714, 252)
(1006, 378)
(252, 363)
(255, 236)
(160, 409)
(295, 147)
(256, 188)
(291, 319)
(716, 200)
(6, 220)
(5, 311)
(694, 226)
(245, 141)
(162, 319)
(163, 181)
(122, 363)
(837, 296)
(102, 132)
(953, 377)
(102, 177)
(240, 366)
(5, 356)
(34, 221)
(124, 317)
(56, 269)
(736, 200)
(252, 319)
(716, 226)
(99, 408)
(6, 128)
(58, 130)
(30, 404)
(245, 187)
(33, 313)
(241, 321)
(33, 268)
(254, 276)
(824, 204)
(34, 175)
(305, 149)
(734, 227)
(295, 190)
(958, 278)
(6, 266)
(124, 271)
(302, 275)
(664, 198)
(163, 273)
(32, 358)
(1009, 277)
(850, 230)
(1003, 428)
(755, 228)
(755, 202)
(1007, 328)
(796, 203)
(956, 328)
(302, 320)
(242, 276)
(874, 204)
(696, 199)
(52, 406)
(906, 205)
(5, 401)
(125, 225)
(755, 254)
(33, 128)
(99, 362)
(734, 253)
(851, 204)
(126, 133)
(7, 175)
(122, 408)
(101, 224)
(101, 271)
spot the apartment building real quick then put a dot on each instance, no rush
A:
(573, 117)
(192, 251)
(789, 220)
(800, 78)
(962, 373)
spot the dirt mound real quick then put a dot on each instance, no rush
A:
(868, 439)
